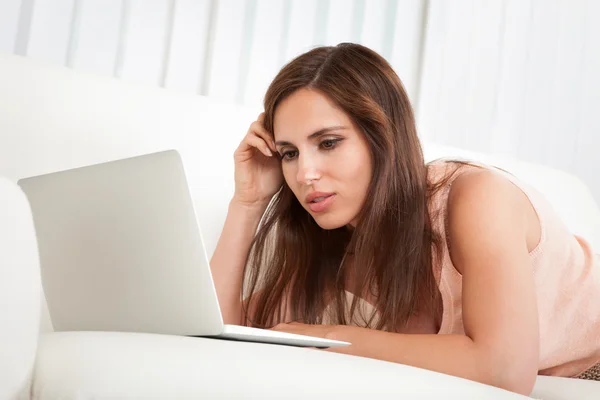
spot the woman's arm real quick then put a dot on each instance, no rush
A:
(230, 256)
(487, 230)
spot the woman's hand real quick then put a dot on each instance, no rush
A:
(298, 328)
(258, 173)
(344, 333)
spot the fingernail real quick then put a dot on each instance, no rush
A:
(268, 151)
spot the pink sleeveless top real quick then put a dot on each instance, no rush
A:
(567, 281)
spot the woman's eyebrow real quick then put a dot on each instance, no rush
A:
(314, 135)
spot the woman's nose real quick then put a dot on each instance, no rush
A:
(308, 170)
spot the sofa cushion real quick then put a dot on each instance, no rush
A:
(96, 365)
(555, 388)
(20, 290)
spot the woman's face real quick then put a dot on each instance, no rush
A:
(325, 158)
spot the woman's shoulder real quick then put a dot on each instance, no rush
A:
(482, 198)
(477, 188)
(464, 179)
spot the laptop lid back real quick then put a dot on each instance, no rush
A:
(121, 250)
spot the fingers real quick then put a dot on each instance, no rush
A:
(280, 327)
(258, 138)
(258, 129)
(287, 325)
(257, 142)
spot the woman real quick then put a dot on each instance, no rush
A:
(450, 266)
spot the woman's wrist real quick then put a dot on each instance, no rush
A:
(247, 212)
(253, 209)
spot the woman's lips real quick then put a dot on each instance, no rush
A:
(322, 205)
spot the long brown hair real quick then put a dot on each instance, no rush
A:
(292, 258)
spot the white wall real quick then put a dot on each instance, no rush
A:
(516, 77)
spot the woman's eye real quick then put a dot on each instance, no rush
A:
(329, 144)
(288, 155)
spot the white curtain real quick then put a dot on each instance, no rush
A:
(517, 77)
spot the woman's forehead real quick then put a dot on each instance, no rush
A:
(305, 112)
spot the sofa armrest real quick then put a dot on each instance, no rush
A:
(20, 293)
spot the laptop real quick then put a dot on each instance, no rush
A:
(121, 250)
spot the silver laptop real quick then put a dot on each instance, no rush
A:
(121, 250)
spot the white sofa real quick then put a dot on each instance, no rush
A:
(52, 118)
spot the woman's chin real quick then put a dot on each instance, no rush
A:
(329, 221)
